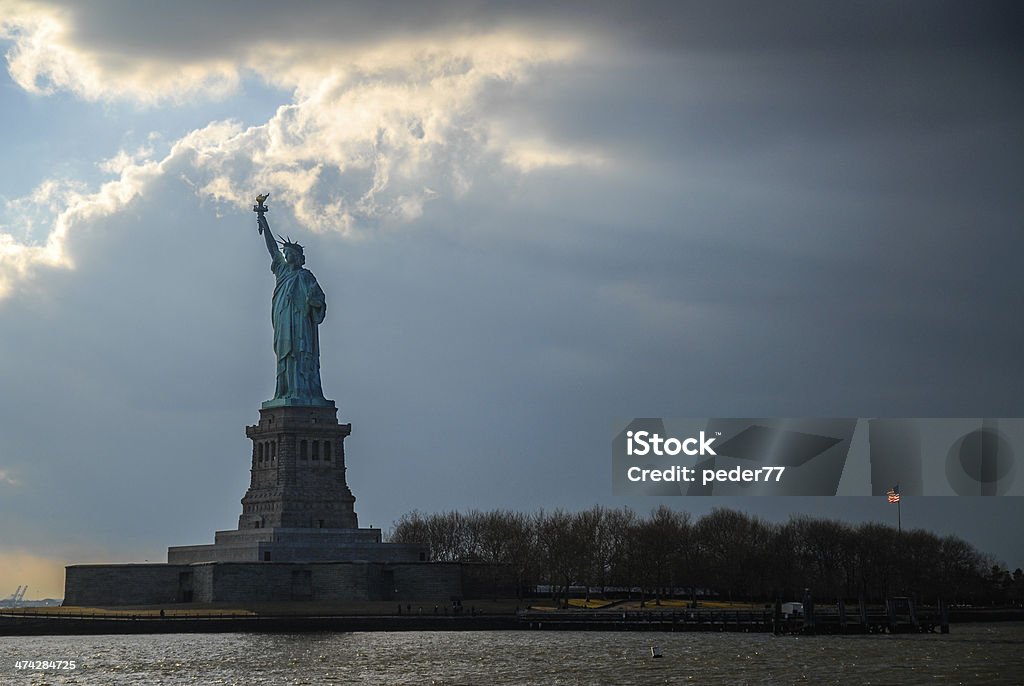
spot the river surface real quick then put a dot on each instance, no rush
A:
(971, 654)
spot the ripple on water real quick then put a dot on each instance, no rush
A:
(991, 654)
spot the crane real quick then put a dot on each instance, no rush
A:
(15, 598)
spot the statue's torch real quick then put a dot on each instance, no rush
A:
(259, 208)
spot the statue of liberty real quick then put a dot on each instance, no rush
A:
(298, 309)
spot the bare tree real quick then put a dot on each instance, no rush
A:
(662, 540)
(559, 549)
(729, 552)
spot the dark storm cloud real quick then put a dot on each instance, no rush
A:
(805, 210)
(188, 28)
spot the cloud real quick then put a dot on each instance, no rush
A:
(530, 155)
(6, 478)
(45, 58)
(369, 135)
(752, 212)
(54, 208)
(98, 55)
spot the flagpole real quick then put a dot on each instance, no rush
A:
(894, 497)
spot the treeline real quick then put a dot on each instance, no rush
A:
(727, 553)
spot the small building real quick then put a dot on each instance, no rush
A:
(792, 610)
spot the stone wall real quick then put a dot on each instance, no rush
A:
(351, 581)
(335, 581)
(432, 581)
(248, 582)
(202, 583)
(244, 582)
(140, 584)
(189, 554)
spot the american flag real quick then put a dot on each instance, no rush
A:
(894, 494)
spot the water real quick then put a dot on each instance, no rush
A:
(972, 654)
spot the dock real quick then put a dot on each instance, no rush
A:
(893, 617)
(896, 616)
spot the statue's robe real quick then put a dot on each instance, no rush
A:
(299, 307)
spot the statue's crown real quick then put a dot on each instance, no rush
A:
(287, 243)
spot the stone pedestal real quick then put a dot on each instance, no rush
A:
(298, 471)
(299, 507)
(298, 537)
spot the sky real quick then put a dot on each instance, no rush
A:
(530, 219)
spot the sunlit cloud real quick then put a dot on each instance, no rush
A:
(44, 58)
(36, 227)
(530, 155)
(371, 133)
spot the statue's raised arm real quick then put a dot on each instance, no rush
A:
(264, 228)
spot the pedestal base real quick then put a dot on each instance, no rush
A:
(293, 402)
(298, 545)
